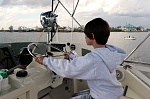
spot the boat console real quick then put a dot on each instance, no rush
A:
(40, 82)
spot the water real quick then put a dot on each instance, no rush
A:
(116, 38)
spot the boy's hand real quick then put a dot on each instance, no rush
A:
(39, 59)
(66, 55)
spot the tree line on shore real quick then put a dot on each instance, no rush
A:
(60, 29)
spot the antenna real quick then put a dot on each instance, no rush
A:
(72, 22)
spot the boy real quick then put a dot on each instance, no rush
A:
(97, 67)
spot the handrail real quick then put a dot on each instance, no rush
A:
(137, 62)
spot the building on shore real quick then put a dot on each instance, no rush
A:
(132, 28)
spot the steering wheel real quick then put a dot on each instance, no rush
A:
(36, 49)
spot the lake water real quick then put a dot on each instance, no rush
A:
(116, 38)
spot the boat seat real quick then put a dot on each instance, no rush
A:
(125, 97)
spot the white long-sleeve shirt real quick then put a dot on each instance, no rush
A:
(97, 67)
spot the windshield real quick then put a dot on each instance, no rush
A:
(139, 60)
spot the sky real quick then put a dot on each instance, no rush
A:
(116, 12)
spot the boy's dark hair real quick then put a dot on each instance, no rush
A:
(100, 29)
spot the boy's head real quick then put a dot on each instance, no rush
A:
(98, 28)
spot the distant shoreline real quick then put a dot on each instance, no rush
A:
(66, 31)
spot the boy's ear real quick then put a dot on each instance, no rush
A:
(93, 36)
